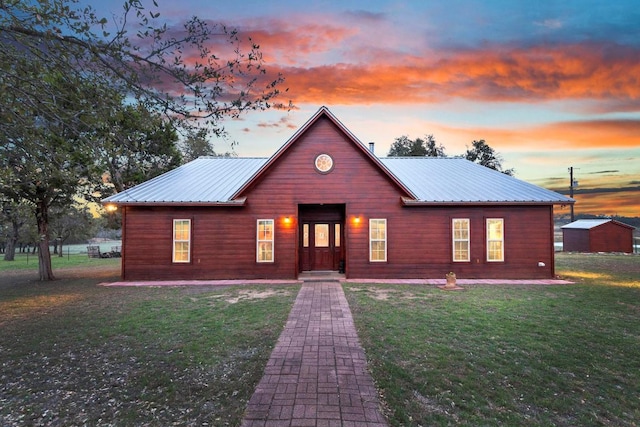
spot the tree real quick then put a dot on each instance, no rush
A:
(196, 145)
(135, 145)
(170, 70)
(433, 150)
(15, 216)
(484, 155)
(64, 71)
(73, 222)
(405, 147)
(48, 163)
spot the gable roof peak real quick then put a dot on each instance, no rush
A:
(323, 112)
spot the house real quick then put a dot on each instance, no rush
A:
(597, 235)
(324, 201)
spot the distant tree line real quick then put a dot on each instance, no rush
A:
(480, 152)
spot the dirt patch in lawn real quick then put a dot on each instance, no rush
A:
(250, 294)
(384, 294)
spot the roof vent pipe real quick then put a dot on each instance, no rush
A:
(372, 147)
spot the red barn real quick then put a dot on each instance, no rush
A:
(324, 201)
(597, 235)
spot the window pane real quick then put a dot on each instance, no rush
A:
(181, 252)
(181, 230)
(181, 240)
(461, 251)
(378, 240)
(495, 251)
(265, 251)
(494, 229)
(377, 251)
(337, 237)
(322, 235)
(305, 235)
(265, 230)
(264, 247)
(495, 239)
(460, 239)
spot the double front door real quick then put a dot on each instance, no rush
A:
(321, 245)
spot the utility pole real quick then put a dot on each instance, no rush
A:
(572, 183)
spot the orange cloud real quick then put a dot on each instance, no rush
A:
(329, 60)
(580, 134)
(623, 203)
(498, 73)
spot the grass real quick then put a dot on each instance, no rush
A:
(73, 353)
(509, 355)
(25, 261)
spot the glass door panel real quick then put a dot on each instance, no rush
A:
(321, 235)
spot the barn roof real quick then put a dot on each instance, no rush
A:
(456, 180)
(206, 180)
(214, 180)
(422, 180)
(588, 224)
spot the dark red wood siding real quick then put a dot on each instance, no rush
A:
(607, 237)
(419, 241)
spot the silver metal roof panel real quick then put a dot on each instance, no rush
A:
(446, 179)
(586, 224)
(204, 180)
(211, 180)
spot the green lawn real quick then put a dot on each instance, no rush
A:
(73, 353)
(509, 355)
(30, 262)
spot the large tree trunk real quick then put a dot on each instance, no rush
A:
(44, 255)
(10, 253)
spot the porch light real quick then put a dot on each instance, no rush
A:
(356, 220)
(111, 208)
(287, 220)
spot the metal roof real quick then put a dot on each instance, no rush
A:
(214, 180)
(457, 180)
(206, 180)
(588, 224)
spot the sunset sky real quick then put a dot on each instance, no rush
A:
(548, 84)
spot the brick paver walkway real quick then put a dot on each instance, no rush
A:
(317, 374)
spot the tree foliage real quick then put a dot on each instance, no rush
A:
(134, 145)
(481, 153)
(196, 145)
(406, 147)
(72, 222)
(170, 70)
(65, 74)
(47, 163)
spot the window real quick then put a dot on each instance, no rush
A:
(265, 240)
(378, 240)
(460, 232)
(182, 240)
(305, 235)
(495, 240)
(337, 235)
(321, 236)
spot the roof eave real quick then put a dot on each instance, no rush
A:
(413, 202)
(237, 202)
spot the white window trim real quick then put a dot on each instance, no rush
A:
(371, 240)
(272, 240)
(495, 240)
(188, 241)
(454, 239)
